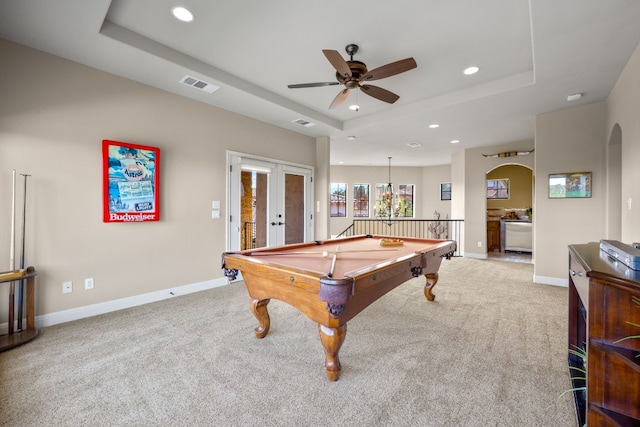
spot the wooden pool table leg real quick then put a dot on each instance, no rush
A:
(259, 309)
(332, 339)
(432, 279)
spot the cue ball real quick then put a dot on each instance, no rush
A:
(325, 254)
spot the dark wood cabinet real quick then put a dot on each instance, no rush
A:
(604, 312)
(493, 236)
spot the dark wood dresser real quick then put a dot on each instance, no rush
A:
(604, 309)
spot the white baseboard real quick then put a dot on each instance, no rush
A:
(474, 255)
(555, 281)
(119, 304)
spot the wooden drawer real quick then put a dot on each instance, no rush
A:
(578, 274)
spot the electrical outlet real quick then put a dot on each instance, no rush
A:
(88, 283)
(67, 287)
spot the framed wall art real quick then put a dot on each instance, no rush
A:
(569, 185)
(131, 184)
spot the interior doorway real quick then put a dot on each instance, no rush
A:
(270, 203)
(509, 203)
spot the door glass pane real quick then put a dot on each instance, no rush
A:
(294, 208)
(253, 206)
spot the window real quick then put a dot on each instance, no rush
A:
(497, 189)
(338, 198)
(403, 198)
(361, 200)
(381, 197)
(445, 191)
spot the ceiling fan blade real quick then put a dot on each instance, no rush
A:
(319, 84)
(379, 93)
(340, 98)
(338, 62)
(389, 70)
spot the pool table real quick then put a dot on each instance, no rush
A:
(331, 281)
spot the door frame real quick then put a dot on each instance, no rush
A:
(235, 158)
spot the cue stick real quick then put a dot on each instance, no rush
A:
(323, 252)
(24, 221)
(333, 264)
(12, 256)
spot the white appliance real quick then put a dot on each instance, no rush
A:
(518, 236)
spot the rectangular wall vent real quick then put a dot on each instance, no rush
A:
(199, 84)
(303, 122)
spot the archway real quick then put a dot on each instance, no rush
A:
(510, 214)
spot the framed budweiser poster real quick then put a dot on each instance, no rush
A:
(131, 189)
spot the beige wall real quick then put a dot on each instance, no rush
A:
(623, 109)
(458, 192)
(603, 138)
(321, 188)
(53, 116)
(520, 187)
(432, 177)
(570, 140)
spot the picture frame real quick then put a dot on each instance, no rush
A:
(570, 185)
(131, 184)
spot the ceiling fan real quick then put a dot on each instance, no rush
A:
(352, 74)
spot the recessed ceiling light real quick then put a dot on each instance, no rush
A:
(354, 107)
(574, 97)
(454, 141)
(351, 138)
(182, 13)
(434, 125)
(471, 70)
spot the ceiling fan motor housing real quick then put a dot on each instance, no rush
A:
(357, 69)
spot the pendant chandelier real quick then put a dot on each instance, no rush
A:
(388, 209)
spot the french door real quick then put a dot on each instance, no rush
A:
(270, 203)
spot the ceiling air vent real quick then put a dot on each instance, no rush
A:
(199, 84)
(414, 144)
(303, 122)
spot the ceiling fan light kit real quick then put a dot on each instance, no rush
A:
(352, 74)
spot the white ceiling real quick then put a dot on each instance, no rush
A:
(532, 54)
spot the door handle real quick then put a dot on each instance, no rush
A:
(280, 223)
(273, 223)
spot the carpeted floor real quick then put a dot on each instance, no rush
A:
(489, 351)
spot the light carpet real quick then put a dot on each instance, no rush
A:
(489, 351)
